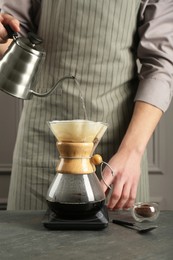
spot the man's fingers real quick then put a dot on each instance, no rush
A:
(7, 20)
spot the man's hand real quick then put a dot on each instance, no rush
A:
(6, 19)
(126, 162)
(124, 183)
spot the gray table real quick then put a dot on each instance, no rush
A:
(22, 236)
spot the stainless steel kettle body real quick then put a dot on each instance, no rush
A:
(20, 65)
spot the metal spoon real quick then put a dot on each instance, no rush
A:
(134, 226)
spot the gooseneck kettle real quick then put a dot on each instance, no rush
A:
(20, 65)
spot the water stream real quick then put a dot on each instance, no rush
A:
(81, 98)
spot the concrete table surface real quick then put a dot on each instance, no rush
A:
(23, 236)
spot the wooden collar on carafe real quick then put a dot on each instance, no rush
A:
(76, 158)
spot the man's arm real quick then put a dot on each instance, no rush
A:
(25, 11)
(153, 97)
(155, 52)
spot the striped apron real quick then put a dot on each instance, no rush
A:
(95, 41)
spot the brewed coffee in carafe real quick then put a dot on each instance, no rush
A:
(76, 192)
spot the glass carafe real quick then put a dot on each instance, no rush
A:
(75, 191)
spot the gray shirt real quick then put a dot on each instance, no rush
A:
(155, 48)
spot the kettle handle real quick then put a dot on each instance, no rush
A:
(53, 88)
(11, 34)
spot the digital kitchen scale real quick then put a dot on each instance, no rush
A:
(96, 222)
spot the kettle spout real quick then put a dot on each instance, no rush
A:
(53, 88)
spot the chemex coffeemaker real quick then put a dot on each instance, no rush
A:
(75, 197)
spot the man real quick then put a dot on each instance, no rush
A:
(99, 42)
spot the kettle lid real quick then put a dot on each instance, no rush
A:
(31, 44)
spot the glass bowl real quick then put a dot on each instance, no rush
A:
(145, 211)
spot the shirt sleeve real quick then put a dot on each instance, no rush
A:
(26, 11)
(155, 53)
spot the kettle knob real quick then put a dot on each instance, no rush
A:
(34, 39)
